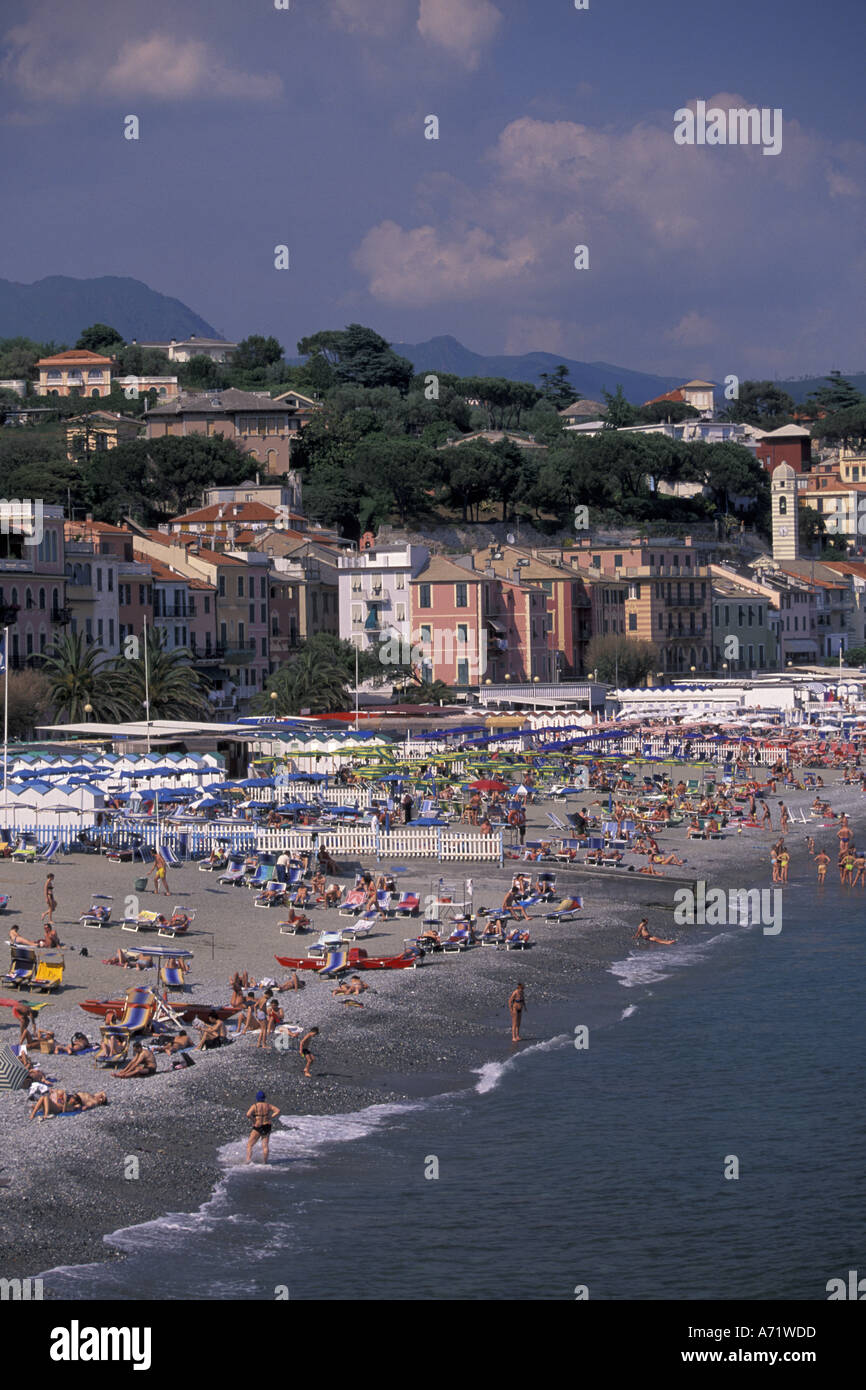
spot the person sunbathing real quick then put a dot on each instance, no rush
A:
(667, 859)
(78, 1043)
(16, 939)
(493, 930)
(246, 1019)
(354, 986)
(175, 1044)
(49, 936)
(111, 1045)
(431, 936)
(334, 895)
(293, 982)
(295, 919)
(63, 1103)
(648, 869)
(142, 1063)
(130, 960)
(302, 895)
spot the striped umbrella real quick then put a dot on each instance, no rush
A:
(13, 1077)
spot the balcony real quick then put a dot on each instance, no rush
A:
(63, 616)
(9, 613)
(177, 612)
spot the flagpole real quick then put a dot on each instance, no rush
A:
(5, 704)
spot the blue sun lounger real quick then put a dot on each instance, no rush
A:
(334, 963)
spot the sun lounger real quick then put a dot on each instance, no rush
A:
(334, 963)
(145, 921)
(49, 973)
(458, 940)
(178, 924)
(45, 856)
(234, 873)
(169, 856)
(137, 1016)
(556, 822)
(271, 893)
(353, 904)
(22, 967)
(172, 977)
(213, 866)
(263, 874)
(99, 912)
(353, 930)
(565, 914)
(25, 852)
(407, 906)
(517, 940)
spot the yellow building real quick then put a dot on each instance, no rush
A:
(75, 373)
(98, 431)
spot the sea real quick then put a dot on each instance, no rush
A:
(690, 1127)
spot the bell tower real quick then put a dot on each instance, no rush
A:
(786, 531)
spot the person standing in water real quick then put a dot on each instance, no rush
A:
(262, 1115)
(517, 1007)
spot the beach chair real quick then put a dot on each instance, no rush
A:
(172, 977)
(45, 856)
(272, 893)
(170, 857)
(547, 879)
(212, 866)
(178, 924)
(22, 967)
(49, 972)
(137, 1016)
(458, 940)
(264, 874)
(407, 905)
(517, 940)
(325, 942)
(385, 902)
(355, 930)
(99, 912)
(333, 964)
(565, 914)
(556, 822)
(145, 921)
(25, 851)
(234, 872)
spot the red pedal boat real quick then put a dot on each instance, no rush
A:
(181, 1007)
(356, 956)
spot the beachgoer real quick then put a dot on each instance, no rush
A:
(822, 860)
(142, 1063)
(262, 1115)
(643, 934)
(50, 901)
(517, 1007)
(304, 1049)
(159, 874)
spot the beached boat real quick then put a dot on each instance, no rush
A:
(184, 1010)
(356, 956)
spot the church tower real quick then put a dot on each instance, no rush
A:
(786, 532)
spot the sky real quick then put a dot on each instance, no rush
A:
(304, 127)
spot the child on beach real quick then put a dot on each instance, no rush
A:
(304, 1049)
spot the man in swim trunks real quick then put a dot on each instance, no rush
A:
(262, 1115)
(159, 874)
(142, 1063)
(304, 1049)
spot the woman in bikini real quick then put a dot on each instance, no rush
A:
(262, 1115)
(517, 1007)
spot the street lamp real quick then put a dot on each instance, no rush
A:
(88, 710)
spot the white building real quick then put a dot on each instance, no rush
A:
(374, 594)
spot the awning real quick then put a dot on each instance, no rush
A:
(495, 626)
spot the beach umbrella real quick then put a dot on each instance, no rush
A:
(488, 785)
(13, 1076)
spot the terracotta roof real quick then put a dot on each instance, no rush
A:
(668, 396)
(218, 402)
(228, 512)
(73, 356)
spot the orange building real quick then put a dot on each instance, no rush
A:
(75, 373)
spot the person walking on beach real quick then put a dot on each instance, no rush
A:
(784, 817)
(516, 1007)
(407, 804)
(304, 1049)
(262, 1115)
(159, 874)
(50, 901)
(766, 819)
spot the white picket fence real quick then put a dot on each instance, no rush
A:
(404, 842)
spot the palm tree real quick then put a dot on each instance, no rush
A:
(77, 678)
(427, 693)
(308, 681)
(177, 690)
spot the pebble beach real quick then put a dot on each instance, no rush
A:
(420, 1031)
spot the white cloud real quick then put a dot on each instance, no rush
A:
(420, 266)
(693, 330)
(461, 27)
(55, 61)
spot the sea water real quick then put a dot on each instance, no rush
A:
(707, 1142)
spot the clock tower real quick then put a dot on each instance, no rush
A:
(786, 533)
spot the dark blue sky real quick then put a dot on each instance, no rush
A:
(306, 127)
